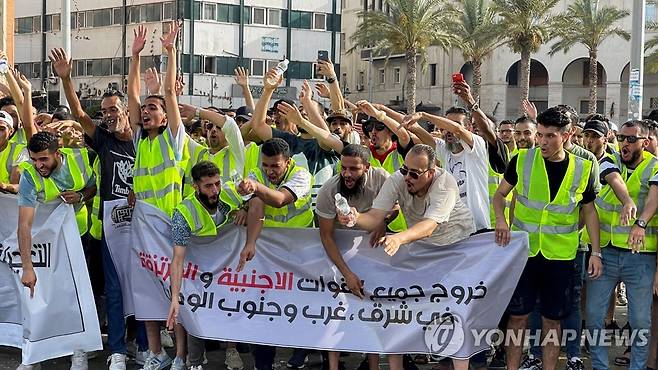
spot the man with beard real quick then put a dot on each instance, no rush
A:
(653, 136)
(506, 134)
(113, 143)
(359, 183)
(202, 214)
(525, 130)
(429, 198)
(629, 259)
(553, 188)
(340, 124)
(55, 173)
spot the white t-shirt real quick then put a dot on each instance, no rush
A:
(470, 168)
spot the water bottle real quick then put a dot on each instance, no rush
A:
(4, 66)
(280, 69)
(344, 208)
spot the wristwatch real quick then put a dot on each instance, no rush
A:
(331, 79)
(474, 107)
(597, 254)
(82, 197)
(641, 223)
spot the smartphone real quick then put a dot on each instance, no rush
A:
(323, 55)
(457, 77)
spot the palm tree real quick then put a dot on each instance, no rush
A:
(526, 25)
(651, 58)
(409, 27)
(477, 34)
(585, 23)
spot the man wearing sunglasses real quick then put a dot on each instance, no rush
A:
(629, 251)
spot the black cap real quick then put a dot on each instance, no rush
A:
(244, 113)
(597, 126)
(290, 103)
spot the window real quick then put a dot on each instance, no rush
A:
(168, 11)
(209, 66)
(271, 64)
(382, 76)
(342, 42)
(274, 17)
(433, 74)
(584, 104)
(319, 21)
(89, 65)
(362, 78)
(316, 72)
(36, 70)
(102, 17)
(258, 16)
(36, 24)
(650, 12)
(80, 67)
(153, 12)
(57, 25)
(116, 66)
(209, 11)
(48, 23)
(257, 67)
(117, 17)
(24, 25)
(396, 75)
(80, 20)
(134, 14)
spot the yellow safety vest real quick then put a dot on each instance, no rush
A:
(7, 159)
(96, 229)
(609, 207)
(190, 158)
(158, 177)
(19, 137)
(77, 161)
(552, 226)
(296, 214)
(226, 162)
(197, 216)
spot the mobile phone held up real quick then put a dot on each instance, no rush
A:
(323, 55)
(457, 78)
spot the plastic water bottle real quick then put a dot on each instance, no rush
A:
(344, 209)
(280, 69)
(4, 66)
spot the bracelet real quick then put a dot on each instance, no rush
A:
(380, 117)
(82, 197)
(597, 254)
(331, 79)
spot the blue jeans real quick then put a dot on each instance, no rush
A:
(116, 324)
(571, 322)
(637, 272)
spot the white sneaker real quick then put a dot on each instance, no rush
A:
(141, 356)
(79, 361)
(117, 361)
(233, 360)
(165, 339)
(196, 367)
(178, 364)
(157, 362)
(29, 367)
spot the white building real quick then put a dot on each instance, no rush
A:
(562, 78)
(215, 39)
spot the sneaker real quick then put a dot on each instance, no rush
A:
(233, 360)
(117, 361)
(196, 367)
(157, 362)
(29, 367)
(530, 362)
(178, 364)
(165, 339)
(575, 364)
(141, 356)
(298, 359)
(79, 361)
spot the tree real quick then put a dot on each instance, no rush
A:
(651, 50)
(585, 23)
(476, 34)
(526, 25)
(409, 27)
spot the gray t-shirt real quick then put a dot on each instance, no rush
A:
(441, 204)
(326, 204)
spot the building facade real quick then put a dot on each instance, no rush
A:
(557, 79)
(216, 37)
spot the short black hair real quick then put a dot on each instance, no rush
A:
(43, 140)
(287, 101)
(112, 93)
(63, 116)
(356, 150)
(163, 102)
(7, 100)
(571, 112)
(652, 125)
(425, 150)
(525, 119)
(457, 110)
(554, 117)
(653, 115)
(644, 128)
(598, 117)
(274, 147)
(506, 122)
(204, 169)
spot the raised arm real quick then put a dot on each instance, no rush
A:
(169, 44)
(410, 122)
(15, 90)
(324, 137)
(134, 90)
(62, 66)
(396, 127)
(455, 128)
(390, 112)
(326, 68)
(259, 126)
(26, 109)
(242, 79)
(481, 121)
(311, 107)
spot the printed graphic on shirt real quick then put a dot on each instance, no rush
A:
(122, 174)
(456, 168)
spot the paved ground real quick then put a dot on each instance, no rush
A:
(10, 358)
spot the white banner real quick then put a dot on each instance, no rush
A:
(291, 294)
(61, 317)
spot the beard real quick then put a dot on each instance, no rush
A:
(454, 146)
(207, 202)
(634, 157)
(359, 186)
(50, 170)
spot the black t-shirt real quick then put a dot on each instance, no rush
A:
(117, 158)
(316, 157)
(498, 158)
(555, 172)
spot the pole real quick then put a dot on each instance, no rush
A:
(637, 61)
(66, 41)
(370, 77)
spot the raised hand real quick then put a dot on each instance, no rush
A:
(530, 109)
(140, 39)
(271, 80)
(323, 90)
(326, 68)
(291, 113)
(241, 76)
(153, 81)
(169, 39)
(411, 119)
(187, 112)
(22, 81)
(306, 95)
(367, 108)
(179, 85)
(61, 63)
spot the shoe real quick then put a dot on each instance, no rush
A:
(165, 339)
(178, 364)
(196, 367)
(621, 295)
(530, 362)
(79, 361)
(575, 364)
(233, 360)
(498, 361)
(141, 356)
(157, 362)
(298, 359)
(117, 361)
(29, 367)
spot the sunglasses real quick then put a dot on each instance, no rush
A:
(209, 126)
(413, 174)
(631, 139)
